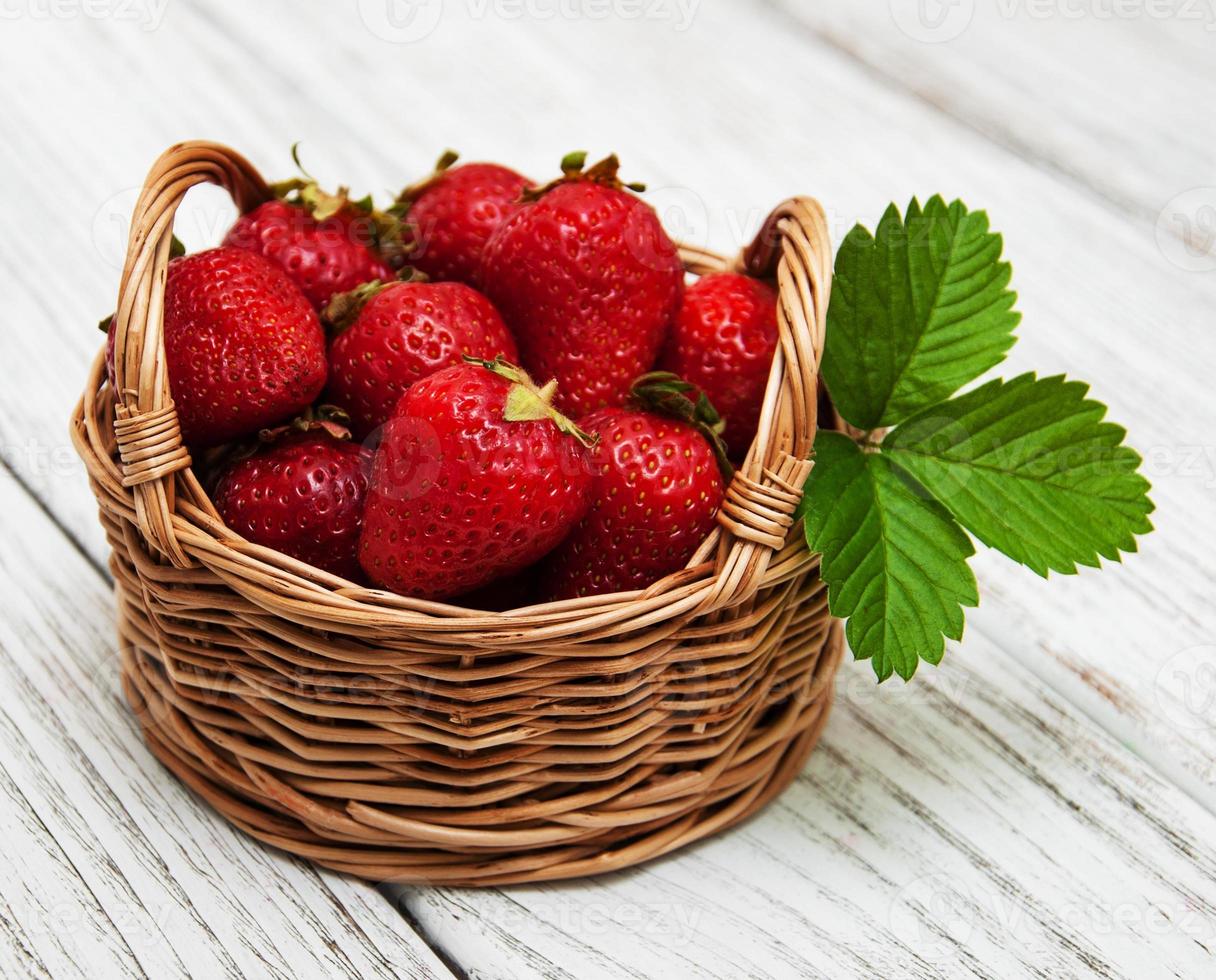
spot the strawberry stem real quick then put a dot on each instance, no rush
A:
(573, 163)
(342, 309)
(526, 402)
(410, 193)
(386, 234)
(668, 394)
(330, 419)
(603, 173)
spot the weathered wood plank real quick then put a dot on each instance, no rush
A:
(962, 828)
(108, 861)
(1100, 299)
(972, 773)
(1114, 96)
(46, 901)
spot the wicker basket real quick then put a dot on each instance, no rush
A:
(397, 739)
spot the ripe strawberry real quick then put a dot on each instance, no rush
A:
(303, 496)
(110, 328)
(588, 282)
(722, 341)
(476, 478)
(392, 335)
(657, 486)
(243, 348)
(176, 250)
(513, 592)
(452, 214)
(322, 257)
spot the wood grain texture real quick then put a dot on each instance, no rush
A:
(105, 861)
(1114, 97)
(1101, 300)
(948, 830)
(1037, 820)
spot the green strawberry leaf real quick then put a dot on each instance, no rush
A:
(894, 560)
(1031, 469)
(917, 311)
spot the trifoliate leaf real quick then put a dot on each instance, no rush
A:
(894, 560)
(917, 311)
(1030, 468)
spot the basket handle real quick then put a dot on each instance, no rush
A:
(795, 245)
(146, 427)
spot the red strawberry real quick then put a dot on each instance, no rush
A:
(722, 341)
(323, 257)
(243, 348)
(110, 328)
(657, 486)
(588, 282)
(453, 213)
(303, 496)
(476, 478)
(513, 592)
(392, 335)
(176, 249)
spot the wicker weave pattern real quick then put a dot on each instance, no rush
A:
(398, 739)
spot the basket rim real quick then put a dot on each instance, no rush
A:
(131, 446)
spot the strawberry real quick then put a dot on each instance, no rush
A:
(657, 485)
(176, 250)
(453, 213)
(722, 341)
(477, 477)
(392, 335)
(302, 495)
(110, 329)
(588, 282)
(323, 257)
(513, 592)
(243, 347)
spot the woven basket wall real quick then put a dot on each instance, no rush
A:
(398, 739)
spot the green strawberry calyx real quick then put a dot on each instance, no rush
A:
(328, 419)
(344, 308)
(386, 231)
(665, 393)
(575, 171)
(528, 402)
(411, 192)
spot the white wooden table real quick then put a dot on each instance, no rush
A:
(1044, 804)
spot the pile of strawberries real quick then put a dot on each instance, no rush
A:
(357, 386)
